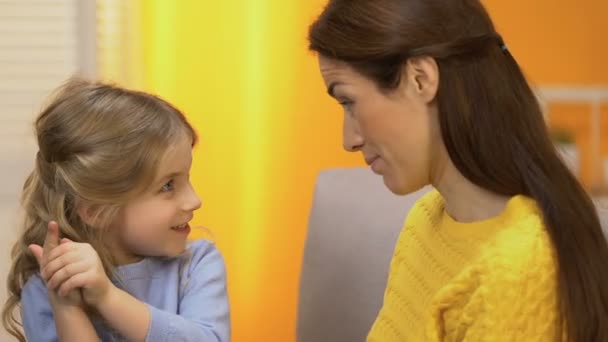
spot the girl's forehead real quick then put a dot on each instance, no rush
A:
(176, 158)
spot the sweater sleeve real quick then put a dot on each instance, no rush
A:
(36, 311)
(203, 308)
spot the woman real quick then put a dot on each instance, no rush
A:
(509, 246)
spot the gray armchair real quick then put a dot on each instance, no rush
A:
(353, 227)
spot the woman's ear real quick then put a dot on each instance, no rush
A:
(422, 74)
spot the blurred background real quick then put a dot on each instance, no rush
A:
(241, 72)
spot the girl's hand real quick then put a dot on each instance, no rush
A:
(73, 265)
(41, 254)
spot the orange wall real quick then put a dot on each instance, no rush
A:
(576, 119)
(561, 43)
(241, 72)
(556, 41)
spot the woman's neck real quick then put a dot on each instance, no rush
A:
(464, 201)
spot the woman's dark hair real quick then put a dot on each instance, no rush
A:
(491, 124)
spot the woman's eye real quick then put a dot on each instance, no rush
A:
(347, 106)
(346, 103)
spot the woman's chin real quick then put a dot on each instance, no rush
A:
(393, 186)
(399, 186)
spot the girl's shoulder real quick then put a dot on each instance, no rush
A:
(202, 249)
(203, 255)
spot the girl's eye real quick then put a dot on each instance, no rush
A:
(167, 187)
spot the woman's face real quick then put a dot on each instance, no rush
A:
(396, 130)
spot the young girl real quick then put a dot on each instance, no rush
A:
(508, 247)
(103, 253)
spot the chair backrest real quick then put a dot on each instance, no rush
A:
(353, 227)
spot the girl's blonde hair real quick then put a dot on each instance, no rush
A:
(99, 146)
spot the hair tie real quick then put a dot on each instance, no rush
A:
(501, 44)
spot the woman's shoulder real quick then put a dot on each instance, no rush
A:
(525, 236)
(519, 259)
(522, 250)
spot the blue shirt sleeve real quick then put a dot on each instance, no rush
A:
(37, 314)
(36, 311)
(204, 314)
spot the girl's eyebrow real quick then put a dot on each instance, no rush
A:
(168, 176)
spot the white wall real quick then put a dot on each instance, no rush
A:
(42, 43)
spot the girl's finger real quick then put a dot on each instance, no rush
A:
(59, 251)
(52, 238)
(65, 273)
(73, 283)
(59, 262)
(37, 251)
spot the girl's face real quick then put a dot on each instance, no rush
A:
(157, 222)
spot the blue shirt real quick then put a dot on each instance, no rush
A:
(186, 296)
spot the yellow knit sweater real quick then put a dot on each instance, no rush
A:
(493, 280)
